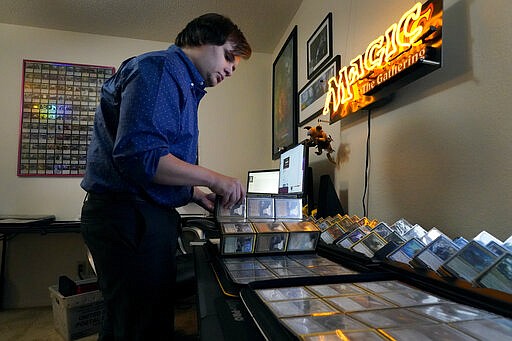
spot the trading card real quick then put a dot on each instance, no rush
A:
(389, 318)
(395, 237)
(351, 238)
(460, 242)
(260, 208)
(507, 244)
(369, 244)
(415, 232)
(358, 303)
(470, 261)
(324, 225)
(237, 212)
(300, 307)
(332, 233)
(485, 237)
(498, 276)
(406, 251)
(411, 298)
(321, 324)
(236, 228)
(270, 237)
(237, 244)
(364, 335)
(282, 294)
(279, 262)
(401, 226)
(247, 265)
(312, 260)
(271, 242)
(496, 248)
(346, 222)
(425, 332)
(251, 275)
(452, 312)
(384, 286)
(435, 253)
(382, 229)
(431, 235)
(336, 289)
(331, 270)
(293, 272)
(487, 329)
(288, 208)
(303, 236)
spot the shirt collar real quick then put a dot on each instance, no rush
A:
(196, 78)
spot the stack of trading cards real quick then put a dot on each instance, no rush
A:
(498, 276)
(237, 238)
(435, 254)
(333, 232)
(270, 237)
(469, 262)
(303, 236)
(352, 237)
(369, 244)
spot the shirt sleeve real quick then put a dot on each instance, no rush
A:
(148, 120)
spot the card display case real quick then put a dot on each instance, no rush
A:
(59, 101)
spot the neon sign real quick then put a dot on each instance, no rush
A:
(408, 50)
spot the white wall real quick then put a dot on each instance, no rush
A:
(235, 135)
(441, 152)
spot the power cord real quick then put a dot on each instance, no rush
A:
(367, 168)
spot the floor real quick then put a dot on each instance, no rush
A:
(36, 324)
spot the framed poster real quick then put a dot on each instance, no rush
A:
(319, 46)
(57, 115)
(312, 95)
(284, 97)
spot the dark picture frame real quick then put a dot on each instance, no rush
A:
(284, 97)
(312, 96)
(319, 46)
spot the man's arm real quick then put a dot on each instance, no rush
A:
(175, 172)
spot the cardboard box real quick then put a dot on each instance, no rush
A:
(79, 315)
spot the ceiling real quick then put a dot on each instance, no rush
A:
(263, 21)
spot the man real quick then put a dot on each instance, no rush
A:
(141, 164)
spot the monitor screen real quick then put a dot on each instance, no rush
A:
(292, 170)
(263, 181)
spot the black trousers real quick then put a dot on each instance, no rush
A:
(133, 244)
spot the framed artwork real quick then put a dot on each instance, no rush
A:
(59, 101)
(312, 95)
(284, 97)
(319, 46)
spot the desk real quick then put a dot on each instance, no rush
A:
(10, 226)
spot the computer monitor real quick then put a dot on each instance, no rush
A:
(265, 181)
(293, 164)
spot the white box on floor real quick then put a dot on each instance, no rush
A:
(78, 315)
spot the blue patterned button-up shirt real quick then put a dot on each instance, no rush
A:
(147, 110)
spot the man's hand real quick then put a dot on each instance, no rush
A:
(205, 200)
(230, 189)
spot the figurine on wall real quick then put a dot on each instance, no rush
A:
(318, 138)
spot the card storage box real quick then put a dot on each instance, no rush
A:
(77, 316)
(260, 207)
(237, 238)
(288, 208)
(303, 235)
(270, 237)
